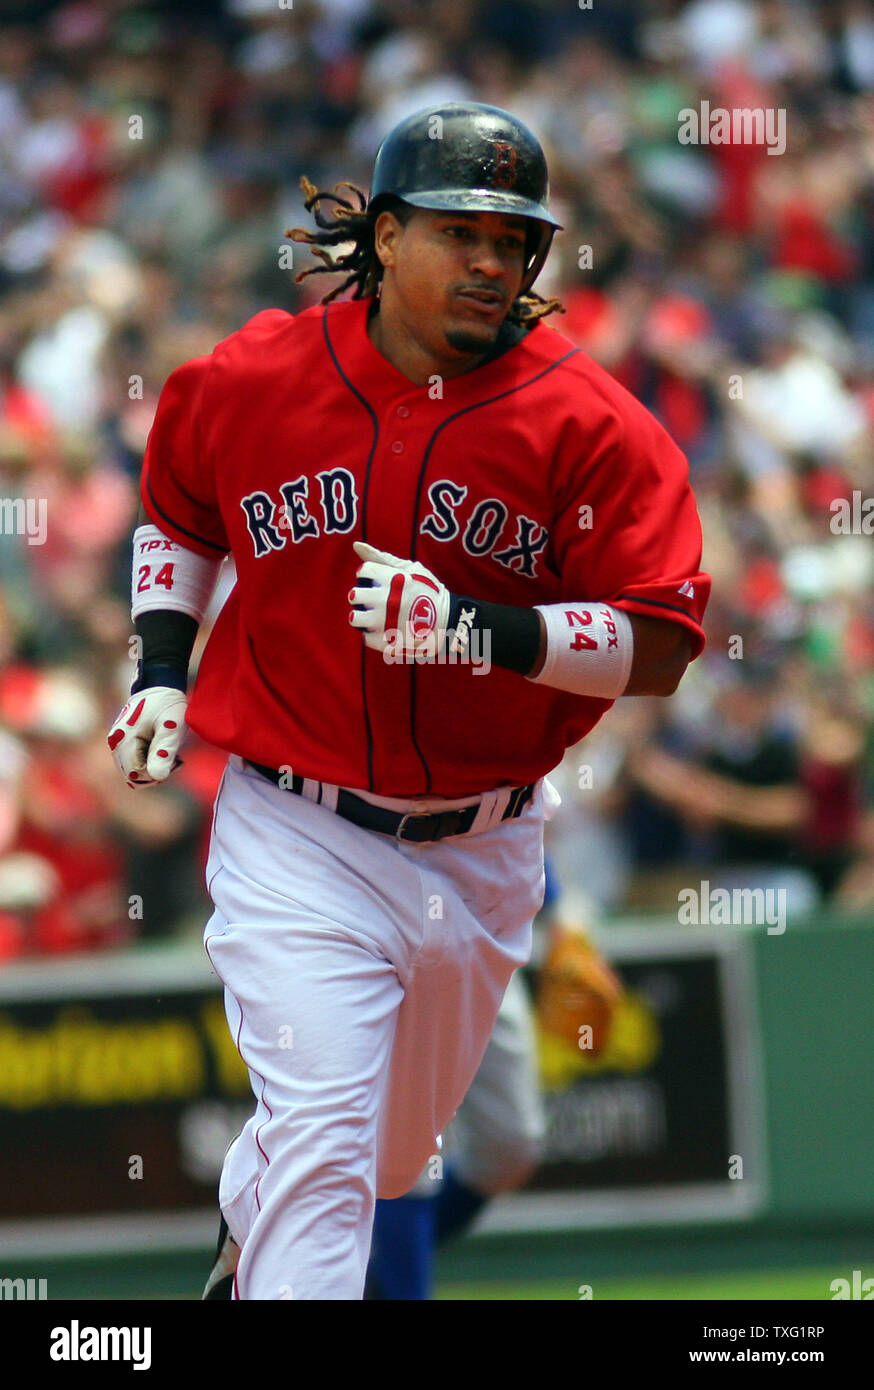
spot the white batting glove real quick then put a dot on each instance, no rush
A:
(398, 604)
(146, 735)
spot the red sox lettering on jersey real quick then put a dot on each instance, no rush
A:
(271, 522)
(296, 437)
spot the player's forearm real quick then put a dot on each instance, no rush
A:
(772, 810)
(170, 590)
(695, 791)
(660, 650)
(584, 647)
(166, 640)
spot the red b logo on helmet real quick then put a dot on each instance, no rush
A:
(423, 617)
(504, 170)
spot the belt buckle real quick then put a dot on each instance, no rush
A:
(411, 815)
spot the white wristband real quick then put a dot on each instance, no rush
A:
(166, 575)
(589, 649)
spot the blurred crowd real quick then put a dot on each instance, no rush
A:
(150, 162)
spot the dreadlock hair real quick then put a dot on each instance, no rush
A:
(356, 225)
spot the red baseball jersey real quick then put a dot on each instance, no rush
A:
(535, 478)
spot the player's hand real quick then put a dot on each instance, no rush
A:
(146, 735)
(398, 604)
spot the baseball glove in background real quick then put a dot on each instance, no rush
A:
(577, 992)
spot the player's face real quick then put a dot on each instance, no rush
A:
(451, 277)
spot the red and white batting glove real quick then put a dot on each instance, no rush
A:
(147, 734)
(399, 605)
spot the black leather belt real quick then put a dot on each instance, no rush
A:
(418, 826)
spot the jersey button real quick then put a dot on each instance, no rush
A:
(404, 412)
(397, 447)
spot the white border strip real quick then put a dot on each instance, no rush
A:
(156, 1232)
(143, 971)
(539, 1212)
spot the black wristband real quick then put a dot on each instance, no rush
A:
(513, 634)
(166, 641)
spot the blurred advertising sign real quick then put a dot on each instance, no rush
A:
(666, 1123)
(120, 1089)
(120, 1086)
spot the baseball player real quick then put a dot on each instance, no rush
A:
(457, 541)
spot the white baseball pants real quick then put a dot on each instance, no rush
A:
(362, 976)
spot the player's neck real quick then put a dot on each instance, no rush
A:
(391, 337)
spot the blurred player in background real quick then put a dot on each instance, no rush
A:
(495, 1141)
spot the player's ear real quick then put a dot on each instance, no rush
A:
(386, 235)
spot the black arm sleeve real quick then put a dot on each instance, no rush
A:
(167, 639)
(514, 633)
